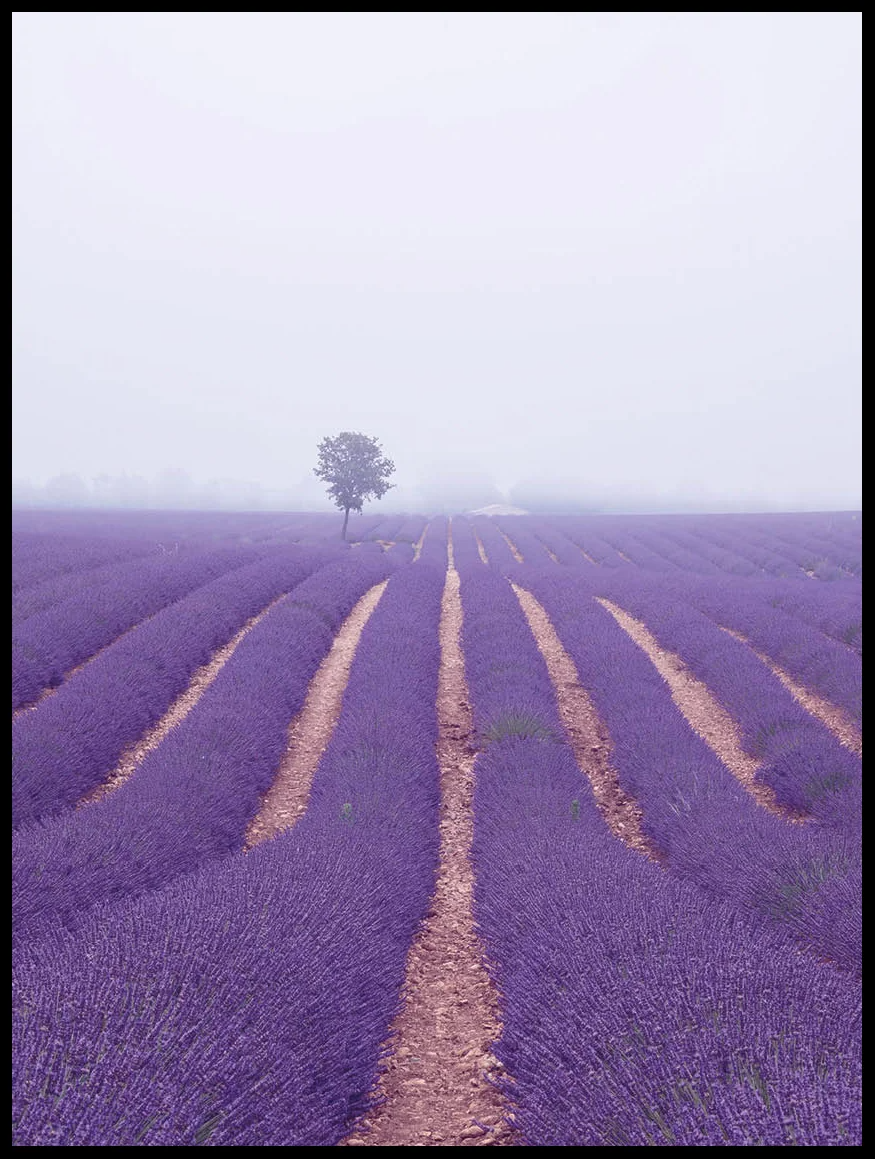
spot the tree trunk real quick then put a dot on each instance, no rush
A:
(345, 521)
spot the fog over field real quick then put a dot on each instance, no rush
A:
(573, 261)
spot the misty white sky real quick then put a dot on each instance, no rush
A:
(607, 252)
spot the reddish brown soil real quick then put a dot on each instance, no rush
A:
(176, 713)
(587, 734)
(311, 730)
(434, 1082)
(836, 719)
(704, 714)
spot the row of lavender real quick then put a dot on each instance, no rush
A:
(710, 831)
(71, 742)
(814, 630)
(656, 545)
(687, 804)
(245, 1002)
(51, 535)
(642, 1005)
(37, 558)
(807, 875)
(827, 547)
(130, 621)
(777, 614)
(85, 616)
(787, 548)
(799, 758)
(758, 1079)
(193, 796)
(74, 595)
(53, 749)
(48, 544)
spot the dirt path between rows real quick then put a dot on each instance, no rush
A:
(589, 738)
(133, 757)
(515, 551)
(704, 714)
(47, 692)
(312, 729)
(417, 547)
(434, 1083)
(836, 719)
(481, 550)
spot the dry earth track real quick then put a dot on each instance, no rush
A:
(434, 1082)
(176, 713)
(417, 547)
(589, 738)
(311, 730)
(47, 692)
(836, 719)
(704, 714)
(515, 551)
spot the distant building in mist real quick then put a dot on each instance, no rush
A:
(452, 493)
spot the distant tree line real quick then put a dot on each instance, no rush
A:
(172, 489)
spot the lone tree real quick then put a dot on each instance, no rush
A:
(355, 470)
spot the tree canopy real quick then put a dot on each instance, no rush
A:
(355, 469)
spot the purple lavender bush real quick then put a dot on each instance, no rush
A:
(71, 742)
(39, 559)
(192, 798)
(247, 1003)
(48, 644)
(802, 761)
(708, 829)
(636, 1010)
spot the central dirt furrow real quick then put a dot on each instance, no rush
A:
(176, 713)
(835, 718)
(587, 735)
(481, 550)
(311, 730)
(435, 1083)
(704, 714)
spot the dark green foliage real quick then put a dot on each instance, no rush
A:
(517, 724)
(355, 470)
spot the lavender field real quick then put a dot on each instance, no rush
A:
(498, 830)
